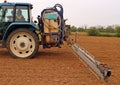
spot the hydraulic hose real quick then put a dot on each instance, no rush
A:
(52, 19)
(58, 9)
(46, 23)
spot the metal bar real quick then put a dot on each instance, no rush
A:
(88, 55)
(100, 69)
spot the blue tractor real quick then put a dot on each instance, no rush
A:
(22, 37)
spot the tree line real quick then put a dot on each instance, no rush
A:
(109, 31)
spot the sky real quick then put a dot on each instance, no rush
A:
(81, 12)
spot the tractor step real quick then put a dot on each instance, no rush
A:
(101, 70)
(0, 43)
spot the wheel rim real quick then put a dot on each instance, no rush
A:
(22, 44)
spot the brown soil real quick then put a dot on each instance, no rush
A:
(61, 66)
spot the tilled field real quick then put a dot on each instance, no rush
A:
(61, 66)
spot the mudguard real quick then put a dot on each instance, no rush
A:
(16, 25)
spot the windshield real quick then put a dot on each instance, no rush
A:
(6, 13)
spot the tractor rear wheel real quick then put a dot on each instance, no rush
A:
(22, 43)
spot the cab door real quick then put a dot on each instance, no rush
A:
(6, 17)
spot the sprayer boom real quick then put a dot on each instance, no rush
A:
(100, 69)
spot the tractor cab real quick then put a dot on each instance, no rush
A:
(14, 13)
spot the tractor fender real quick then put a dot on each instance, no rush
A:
(15, 26)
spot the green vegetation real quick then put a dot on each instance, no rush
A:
(117, 30)
(92, 31)
(105, 34)
(109, 31)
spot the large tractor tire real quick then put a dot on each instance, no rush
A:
(22, 43)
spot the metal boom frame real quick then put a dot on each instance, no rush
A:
(100, 69)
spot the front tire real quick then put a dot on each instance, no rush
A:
(22, 43)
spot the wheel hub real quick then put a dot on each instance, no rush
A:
(22, 43)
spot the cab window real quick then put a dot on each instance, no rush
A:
(22, 13)
(6, 13)
(9, 15)
(0, 14)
